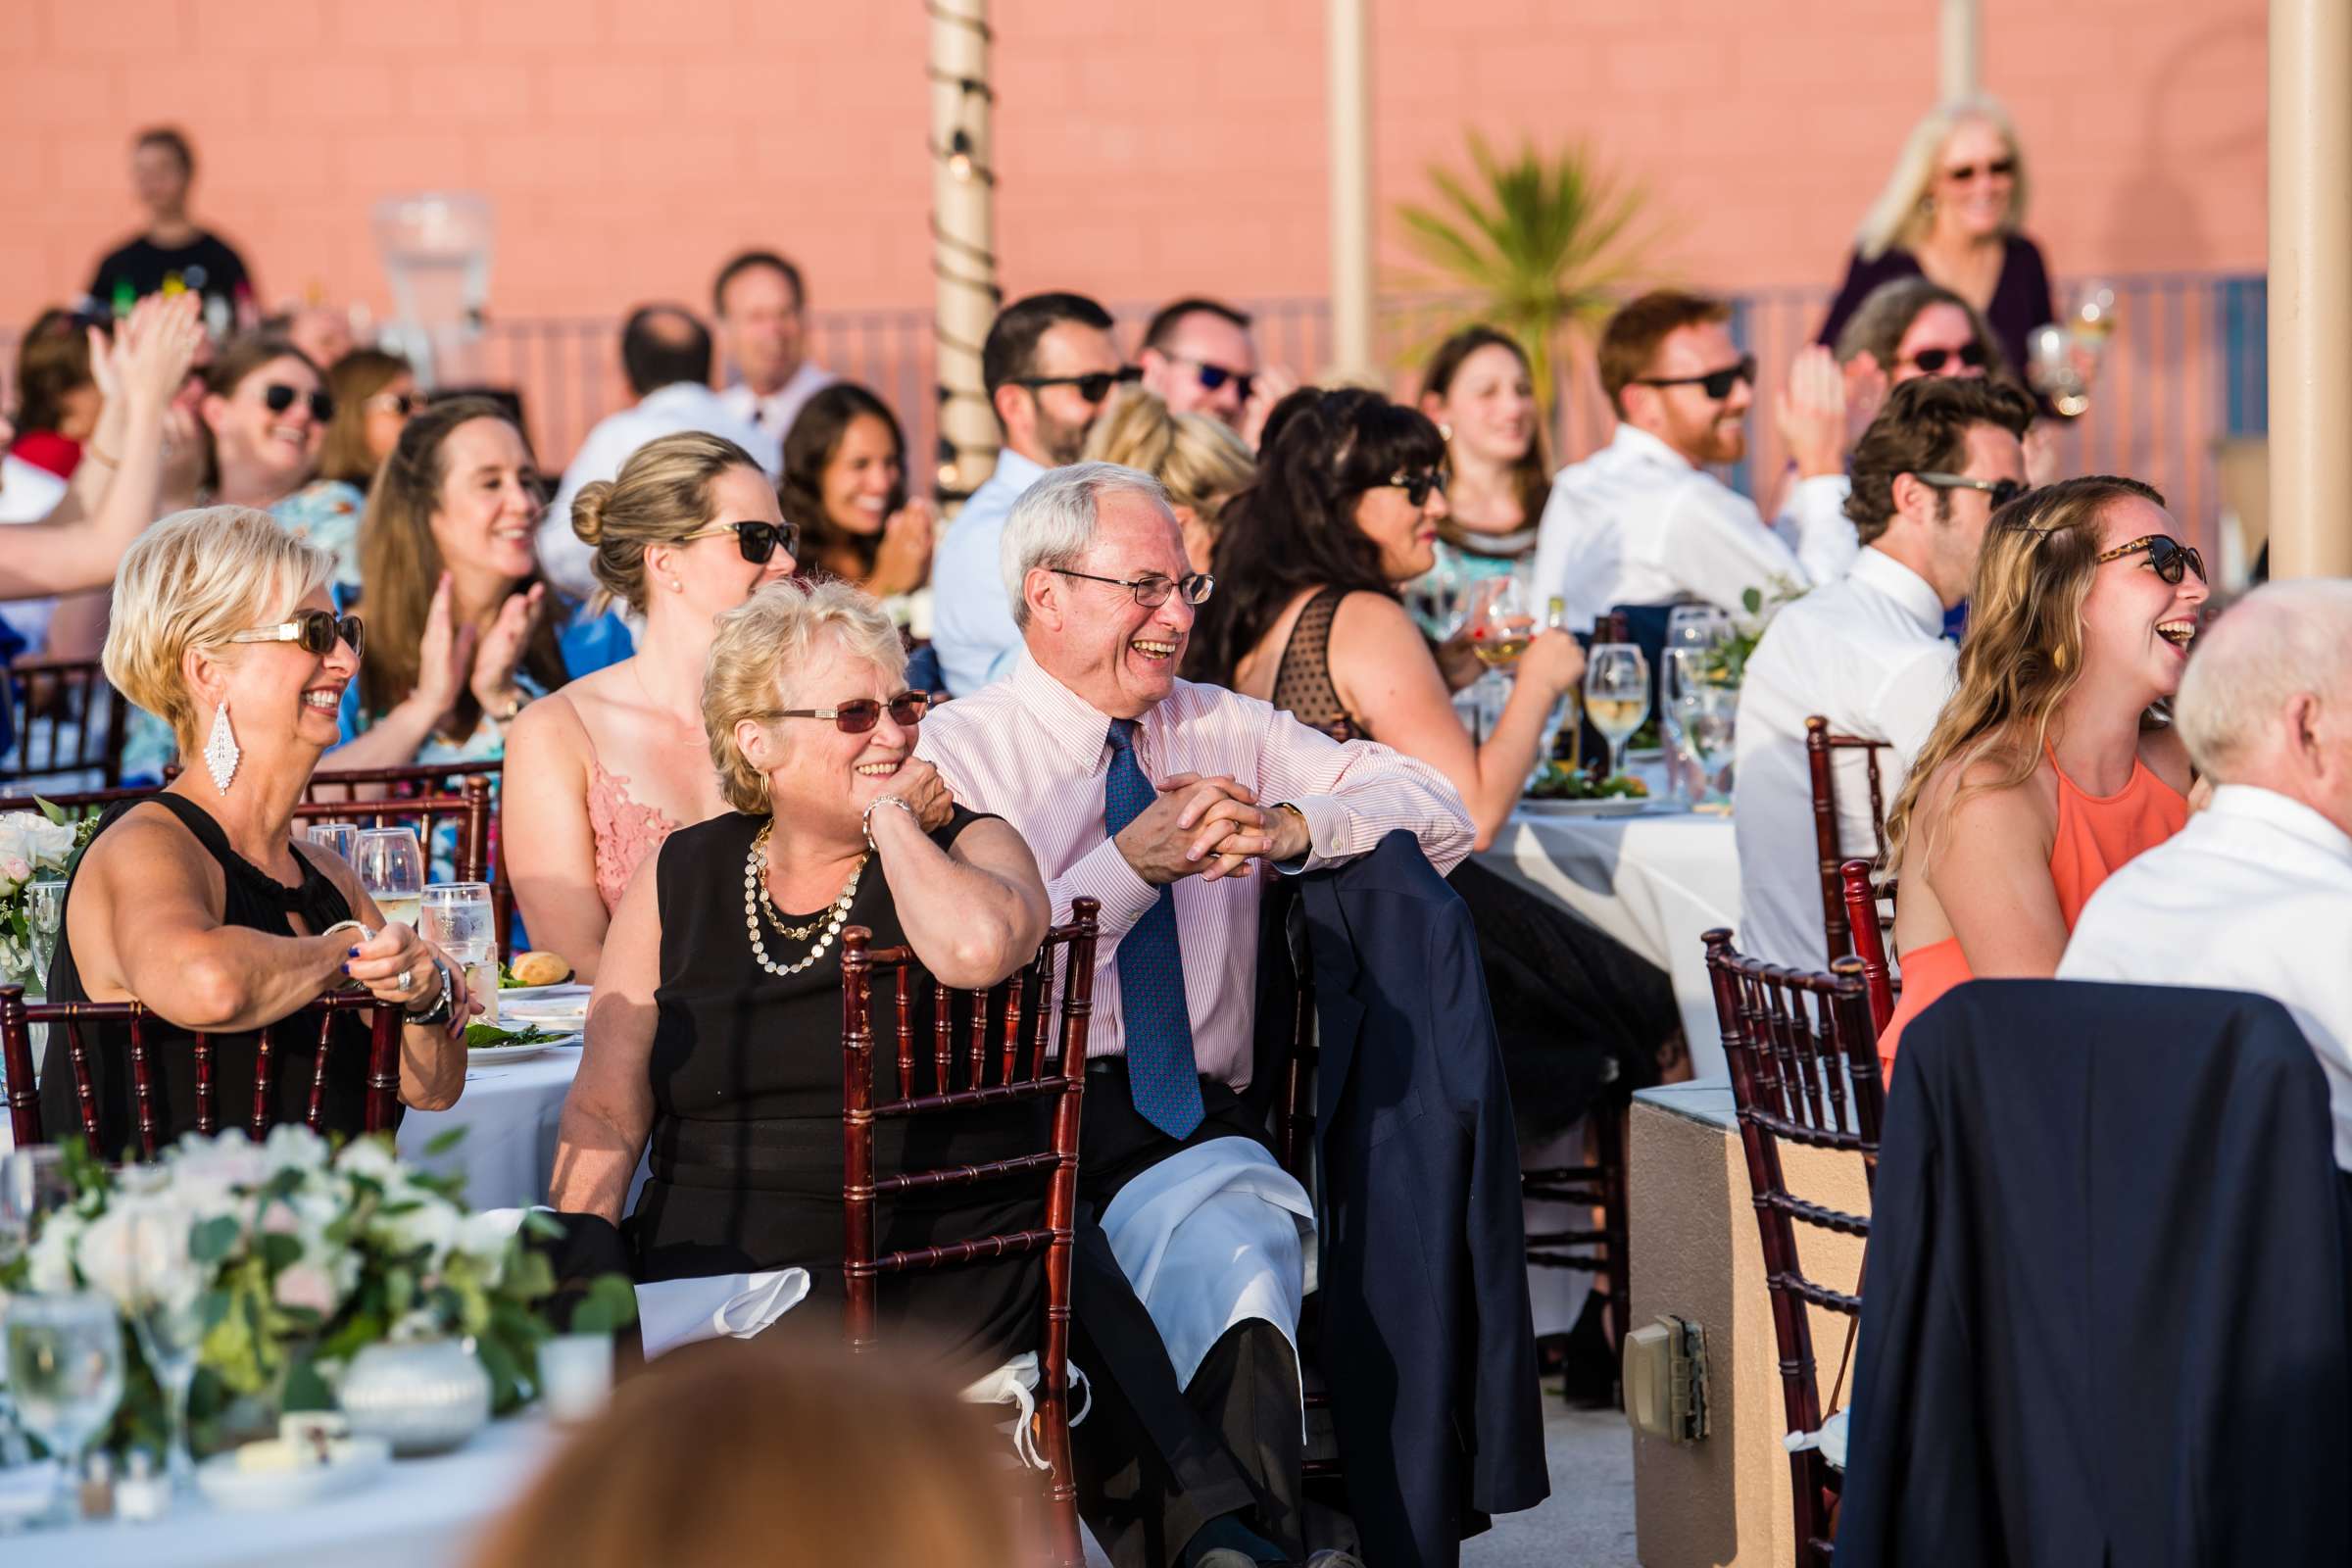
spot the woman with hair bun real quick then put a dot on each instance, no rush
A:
(601, 772)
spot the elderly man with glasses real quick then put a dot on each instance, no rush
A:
(1867, 651)
(1171, 803)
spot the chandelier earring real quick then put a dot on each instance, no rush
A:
(220, 750)
(1445, 434)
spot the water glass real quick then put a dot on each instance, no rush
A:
(1705, 704)
(458, 920)
(391, 868)
(343, 838)
(64, 1368)
(1616, 695)
(1705, 627)
(33, 1183)
(44, 916)
(167, 1313)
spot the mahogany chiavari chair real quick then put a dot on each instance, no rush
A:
(17, 1016)
(999, 1061)
(1804, 1063)
(1870, 941)
(1821, 749)
(70, 722)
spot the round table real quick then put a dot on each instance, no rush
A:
(508, 1114)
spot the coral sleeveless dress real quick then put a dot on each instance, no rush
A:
(2096, 833)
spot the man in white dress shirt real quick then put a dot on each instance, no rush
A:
(666, 355)
(763, 327)
(1642, 522)
(2255, 894)
(1171, 803)
(1048, 364)
(1867, 651)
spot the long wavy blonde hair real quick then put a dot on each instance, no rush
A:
(2025, 646)
(1899, 215)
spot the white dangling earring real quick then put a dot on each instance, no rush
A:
(220, 752)
(1445, 434)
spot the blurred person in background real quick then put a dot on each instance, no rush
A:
(666, 354)
(763, 328)
(845, 488)
(1199, 358)
(172, 252)
(464, 633)
(374, 393)
(322, 331)
(782, 1450)
(1198, 460)
(1914, 327)
(57, 396)
(1954, 211)
(690, 531)
(1480, 392)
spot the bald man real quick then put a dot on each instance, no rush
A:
(2256, 893)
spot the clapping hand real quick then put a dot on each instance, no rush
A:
(904, 561)
(501, 649)
(1865, 395)
(443, 658)
(1811, 413)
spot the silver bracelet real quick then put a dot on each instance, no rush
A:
(865, 818)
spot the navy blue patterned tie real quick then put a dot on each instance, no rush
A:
(1154, 1022)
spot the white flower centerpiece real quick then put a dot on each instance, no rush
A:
(34, 846)
(298, 1255)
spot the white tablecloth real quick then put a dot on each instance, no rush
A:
(1654, 883)
(420, 1513)
(509, 1114)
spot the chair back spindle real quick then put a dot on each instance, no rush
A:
(1821, 758)
(1870, 941)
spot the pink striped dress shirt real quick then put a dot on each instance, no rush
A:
(1031, 750)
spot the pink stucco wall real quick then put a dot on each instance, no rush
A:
(1146, 147)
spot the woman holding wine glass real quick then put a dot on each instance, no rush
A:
(199, 902)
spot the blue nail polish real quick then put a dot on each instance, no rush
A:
(355, 953)
(347, 969)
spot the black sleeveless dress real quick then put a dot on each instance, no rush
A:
(1578, 1012)
(257, 901)
(746, 1145)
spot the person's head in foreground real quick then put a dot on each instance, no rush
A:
(1200, 461)
(1101, 587)
(2082, 611)
(1939, 460)
(1670, 367)
(781, 1449)
(2268, 699)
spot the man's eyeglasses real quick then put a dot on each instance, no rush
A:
(1213, 376)
(1093, 387)
(1151, 592)
(1998, 169)
(757, 540)
(317, 630)
(278, 397)
(1932, 360)
(2169, 557)
(1716, 384)
(863, 714)
(1417, 486)
(2002, 491)
(402, 404)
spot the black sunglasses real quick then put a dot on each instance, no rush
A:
(1716, 384)
(316, 630)
(402, 404)
(2167, 556)
(758, 540)
(1213, 376)
(2002, 491)
(277, 398)
(1092, 387)
(1417, 486)
(1151, 592)
(862, 713)
(1930, 360)
(1967, 172)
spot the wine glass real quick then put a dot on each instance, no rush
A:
(391, 868)
(2052, 369)
(343, 838)
(64, 1368)
(44, 917)
(167, 1313)
(1704, 628)
(1616, 695)
(1705, 702)
(458, 920)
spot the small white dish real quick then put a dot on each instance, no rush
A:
(227, 1487)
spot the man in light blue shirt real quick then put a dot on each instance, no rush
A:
(1050, 364)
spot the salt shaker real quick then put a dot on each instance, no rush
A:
(144, 1494)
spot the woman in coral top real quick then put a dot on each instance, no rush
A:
(2047, 769)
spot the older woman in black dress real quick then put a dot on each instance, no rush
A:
(714, 1030)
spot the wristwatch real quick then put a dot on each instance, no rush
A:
(443, 1000)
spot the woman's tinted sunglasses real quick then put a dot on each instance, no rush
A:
(757, 540)
(2169, 557)
(859, 714)
(317, 630)
(1417, 486)
(278, 397)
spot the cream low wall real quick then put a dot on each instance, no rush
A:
(1695, 1253)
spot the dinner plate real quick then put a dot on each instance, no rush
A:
(226, 1487)
(1615, 806)
(490, 1056)
(547, 1008)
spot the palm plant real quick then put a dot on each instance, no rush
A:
(1539, 243)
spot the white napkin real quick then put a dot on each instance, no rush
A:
(1830, 1440)
(1015, 1384)
(675, 1312)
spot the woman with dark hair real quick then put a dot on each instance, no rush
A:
(374, 393)
(845, 485)
(266, 411)
(463, 632)
(57, 396)
(1481, 393)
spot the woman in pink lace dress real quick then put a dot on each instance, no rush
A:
(605, 769)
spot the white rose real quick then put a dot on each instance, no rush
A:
(293, 1145)
(138, 1248)
(487, 1236)
(309, 1285)
(205, 1174)
(48, 845)
(431, 1223)
(372, 1158)
(50, 1262)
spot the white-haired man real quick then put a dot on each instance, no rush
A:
(2256, 893)
(1170, 803)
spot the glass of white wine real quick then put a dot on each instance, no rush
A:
(391, 868)
(1616, 695)
(1706, 705)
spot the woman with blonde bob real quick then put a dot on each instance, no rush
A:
(1198, 460)
(1953, 210)
(714, 1030)
(600, 772)
(2048, 767)
(200, 901)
